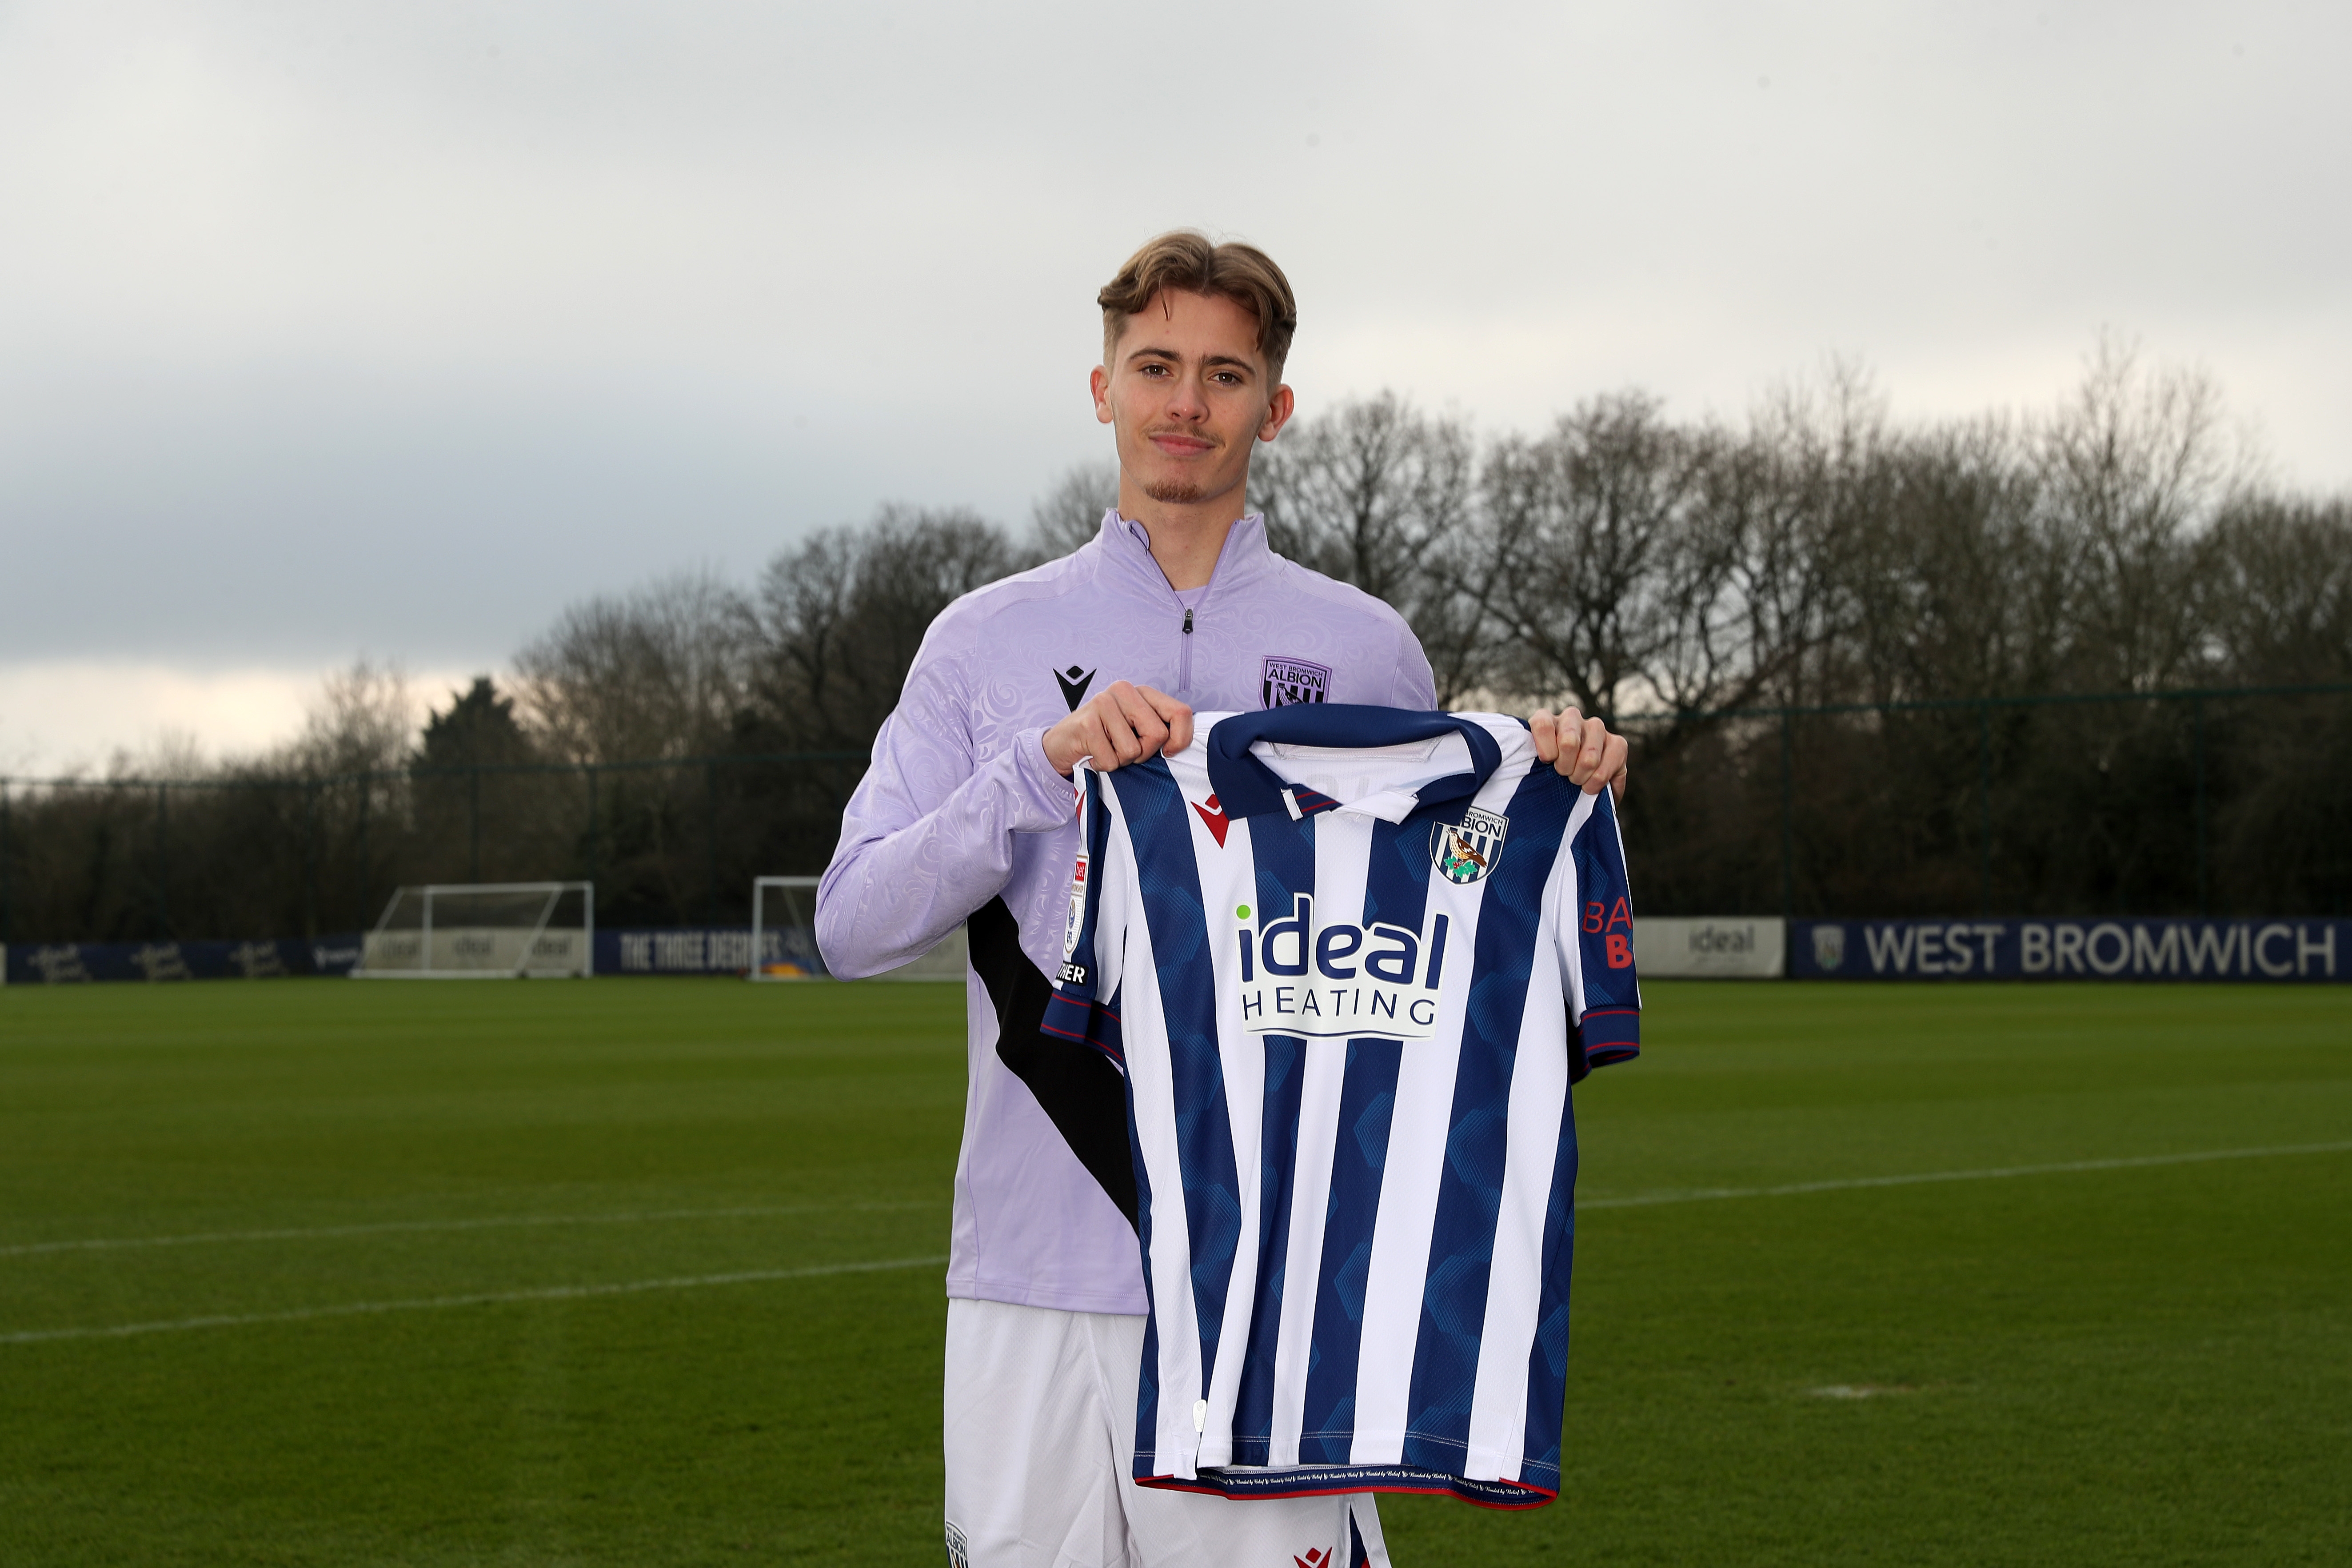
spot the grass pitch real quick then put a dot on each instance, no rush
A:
(634, 1272)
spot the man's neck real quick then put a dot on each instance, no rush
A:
(1186, 538)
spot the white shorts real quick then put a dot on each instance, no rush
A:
(1041, 1448)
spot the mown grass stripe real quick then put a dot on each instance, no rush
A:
(1996, 1172)
(490, 1222)
(483, 1299)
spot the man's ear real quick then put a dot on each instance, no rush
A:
(1099, 380)
(1278, 410)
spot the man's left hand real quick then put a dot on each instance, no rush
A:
(1581, 749)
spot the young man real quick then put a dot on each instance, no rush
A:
(966, 817)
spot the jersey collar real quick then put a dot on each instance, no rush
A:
(1246, 787)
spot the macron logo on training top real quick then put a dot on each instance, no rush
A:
(1074, 682)
(1349, 1016)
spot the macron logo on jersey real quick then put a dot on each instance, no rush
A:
(1214, 815)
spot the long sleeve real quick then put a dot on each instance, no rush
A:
(927, 836)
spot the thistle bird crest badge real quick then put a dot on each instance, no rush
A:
(1467, 851)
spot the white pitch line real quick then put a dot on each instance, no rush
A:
(486, 1298)
(1702, 1195)
(494, 1222)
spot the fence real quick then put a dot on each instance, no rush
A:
(2210, 802)
(2204, 802)
(669, 842)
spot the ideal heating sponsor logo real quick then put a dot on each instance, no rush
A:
(1300, 977)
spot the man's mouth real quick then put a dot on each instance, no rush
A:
(1178, 443)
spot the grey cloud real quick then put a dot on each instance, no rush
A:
(325, 327)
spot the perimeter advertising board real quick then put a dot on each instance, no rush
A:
(73, 963)
(1735, 948)
(2293, 952)
(726, 950)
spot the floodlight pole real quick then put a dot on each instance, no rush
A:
(7, 879)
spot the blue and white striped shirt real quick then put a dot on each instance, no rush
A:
(1350, 960)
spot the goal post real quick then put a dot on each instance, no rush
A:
(783, 938)
(483, 930)
(783, 929)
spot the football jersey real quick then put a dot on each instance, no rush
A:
(1350, 960)
(960, 820)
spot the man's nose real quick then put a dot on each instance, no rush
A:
(1191, 400)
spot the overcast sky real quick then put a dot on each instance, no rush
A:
(336, 329)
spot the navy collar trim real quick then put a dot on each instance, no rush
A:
(1246, 787)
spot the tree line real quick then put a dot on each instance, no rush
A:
(1709, 585)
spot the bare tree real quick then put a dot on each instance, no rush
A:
(2277, 590)
(657, 672)
(840, 618)
(2133, 469)
(365, 719)
(1071, 511)
(1377, 494)
(1588, 527)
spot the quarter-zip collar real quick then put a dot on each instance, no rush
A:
(1127, 554)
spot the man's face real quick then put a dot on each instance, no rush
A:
(1187, 392)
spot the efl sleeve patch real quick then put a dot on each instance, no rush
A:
(1083, 1007)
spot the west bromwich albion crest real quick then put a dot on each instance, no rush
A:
(1293, 680)
(1468, 852)
(1829, 946)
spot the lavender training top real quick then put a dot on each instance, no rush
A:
(960, 820)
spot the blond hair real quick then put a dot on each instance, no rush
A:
(1187, 259)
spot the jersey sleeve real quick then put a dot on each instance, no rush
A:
(1596, 945)
(1085, 988)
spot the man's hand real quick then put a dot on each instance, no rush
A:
(1124, 724)
(1581, 750)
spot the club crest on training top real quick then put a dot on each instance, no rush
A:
(1467, 852)
(1287, 681)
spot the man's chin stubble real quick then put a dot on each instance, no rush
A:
(1176, 492)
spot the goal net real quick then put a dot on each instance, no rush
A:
(484, 931)
(783, 928)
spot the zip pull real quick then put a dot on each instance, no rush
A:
(1188, 620)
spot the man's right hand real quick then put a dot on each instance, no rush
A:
(1124, 724)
